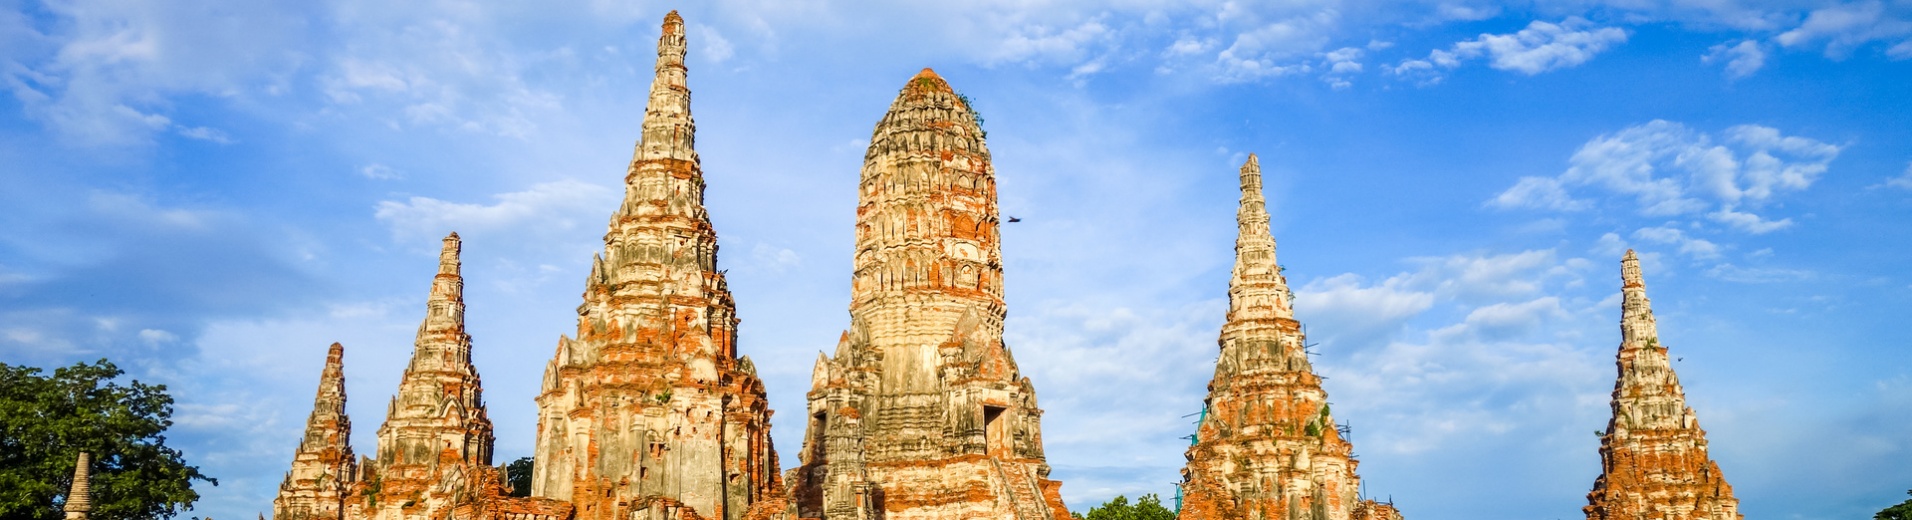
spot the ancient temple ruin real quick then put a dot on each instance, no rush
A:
(1653, 459)
(650, 412)
(1267, 446)
(323, 468)
(921, 412)
(434, 448)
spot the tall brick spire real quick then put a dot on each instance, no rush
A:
(436, 426)
(323, 467)
(922, 413)
(1267, 445)
(1654, 462)
(1257, 290)
(79, 499)
(651, 410)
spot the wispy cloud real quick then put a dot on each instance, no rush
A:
(1541, 47)
(547, 206)
(1741, 59)
(1667, 169)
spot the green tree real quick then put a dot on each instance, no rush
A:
(518, 475)
(1146, 508)
(1903, 511)
(46, 421)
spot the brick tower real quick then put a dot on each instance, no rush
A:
(1267, 446)
(1653, 460)
(922, 413)
(323, 468)
(650, 412)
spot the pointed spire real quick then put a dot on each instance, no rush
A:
(668, 126)
(323, 465)
(1637, 326)
(1257, 282)
(440, 377)
(1654, 446)
(79, 501)
(445, 307)
(328, 423)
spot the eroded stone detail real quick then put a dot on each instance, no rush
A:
(922, 413)
(323, 468)
(1654, 464)
(1267, 446)
(650, 412)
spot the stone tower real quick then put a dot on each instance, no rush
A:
(1267, 446)
(435, 445)
(323, 468)
(650, 412)
(1653, 460)
(79, 499)
(922, 413)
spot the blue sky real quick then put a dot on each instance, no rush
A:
(209, 193)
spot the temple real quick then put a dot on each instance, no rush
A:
(434, 448)
(1267, 446)
(323, 468)
(650, 412)
(1653, 459)
(921, 412)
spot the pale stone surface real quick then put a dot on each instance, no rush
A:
(922, 413)
(1654, 463)
(650, 412)
(79, 498)
(323, 469)
(1267, 445)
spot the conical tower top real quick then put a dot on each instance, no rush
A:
(328, 407)
(1637, 327)
(1257, 286)
(671, 45)
(79, 501)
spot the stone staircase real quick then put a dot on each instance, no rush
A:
(1020, 489)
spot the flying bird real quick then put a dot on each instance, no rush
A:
(1014, 219)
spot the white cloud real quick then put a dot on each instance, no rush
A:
(716, 47)
(1742, 59)
(772, 258)
(1697, 248)
(100, 73)
(1846, 26)
(1734, 273)
(1040, 43)
(1748, 222)
(1903, 181)
(1667, 169)
(545, 207)
(1540, 47)
(156, 337)
(1538, 192)
(380, 172)
(1341, 63)
(1509, 356)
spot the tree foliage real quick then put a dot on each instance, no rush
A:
(518, 475)
(1148, 507)
(1903, 511)
(45, 422)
